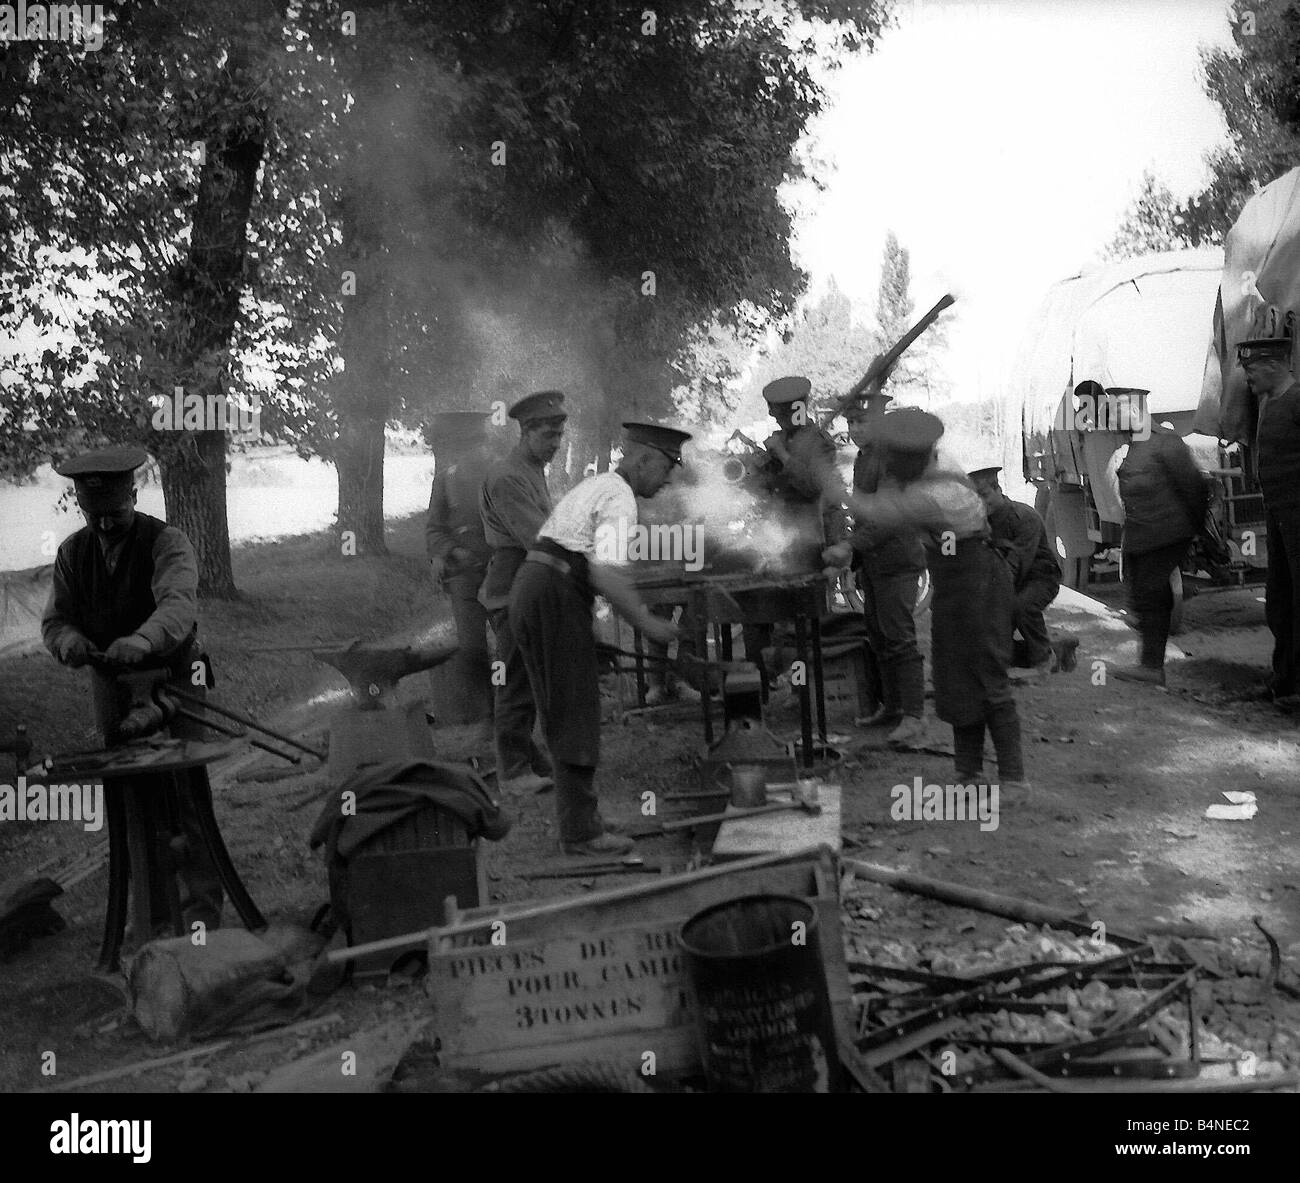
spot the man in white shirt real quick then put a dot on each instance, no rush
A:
(581, 552)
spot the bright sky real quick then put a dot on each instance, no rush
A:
(1002, 140)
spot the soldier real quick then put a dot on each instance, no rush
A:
(971, 614)
(514, 502)
(1019, 533)
(890, 563)
(458, 554)
(1267, 363)
(799, 452)
(579, 553)
(1165, 498)
(125, 592)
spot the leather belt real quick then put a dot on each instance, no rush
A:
(540, 556)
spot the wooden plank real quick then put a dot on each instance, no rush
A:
(777, 833)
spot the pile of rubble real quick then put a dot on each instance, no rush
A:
(1038, 1007)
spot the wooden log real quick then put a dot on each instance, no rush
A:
(992, 902)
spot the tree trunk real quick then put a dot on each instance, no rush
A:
(208, 287)
(194, 490)
(359, 460)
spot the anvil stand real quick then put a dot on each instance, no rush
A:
(801, 603)
(143, 783)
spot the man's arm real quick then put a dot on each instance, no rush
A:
(59, 623)
(175, 592)
(616, 514)
(515, 507)
(438, 538)
(1188, 483)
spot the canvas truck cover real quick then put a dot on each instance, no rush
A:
(1260, 297)
(1141, 322)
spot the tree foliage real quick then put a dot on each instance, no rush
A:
(1256, 85)
(434, 203)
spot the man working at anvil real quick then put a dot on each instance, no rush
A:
(125, 590)
(580, 553)
(514, 502)
(799, 452)
(458, 552)
(1021, 537)
(1267, 363)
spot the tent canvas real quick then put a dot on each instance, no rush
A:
(1141, 322)
(1260, 295)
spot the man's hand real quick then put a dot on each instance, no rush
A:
(75, 650)
(128, 651)
(437, 569)
(777, 446)
(660, 631)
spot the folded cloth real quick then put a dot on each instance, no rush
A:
(387, 793)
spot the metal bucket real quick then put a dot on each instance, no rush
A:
(764, 1011)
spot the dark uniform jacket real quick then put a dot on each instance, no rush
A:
(1278, 449)
(894, 551)
(455, 519)
(1164, 494)
(798, 480)
(1022, 538)
(146, 586)
(514, 504)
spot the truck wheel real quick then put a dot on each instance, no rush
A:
(1176, 617)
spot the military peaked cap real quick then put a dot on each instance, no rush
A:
(787, 390)
(545, 404)
(668, 440)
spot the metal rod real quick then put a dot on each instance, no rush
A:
(245, 720)
(224, 730)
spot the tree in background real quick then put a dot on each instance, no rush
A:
(918, 376)
(324, 205)
(1151, 224)
(1256, 85)
(619, 164)
(129, 182)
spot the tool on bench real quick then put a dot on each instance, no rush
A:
(812, 808)
(153, 704)
(626, 866)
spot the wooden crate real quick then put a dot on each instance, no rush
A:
(398, 882)
(844, 678)
(602, 979)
